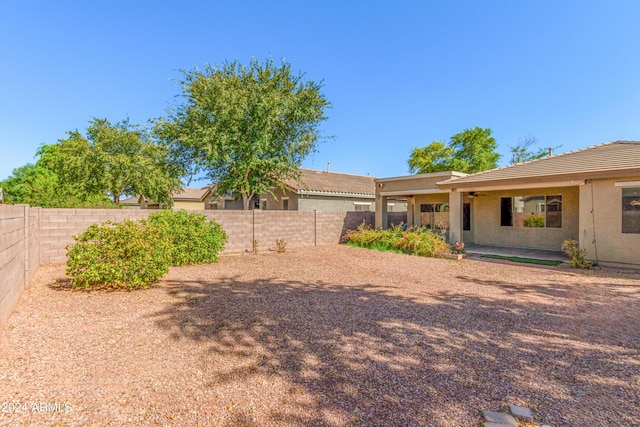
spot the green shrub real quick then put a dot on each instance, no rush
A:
(367, 237)
(534, 221)
(423, 243)
(577, 255)
(190, 237)
(414, 240)
(120, 255)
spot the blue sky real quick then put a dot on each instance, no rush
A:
(398, 74)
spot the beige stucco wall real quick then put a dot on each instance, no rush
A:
(276, 203)
(611, 244)
(488, 231)
(190, 206)
(332, 204)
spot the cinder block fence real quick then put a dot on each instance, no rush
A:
(32, 236)
(19, 254)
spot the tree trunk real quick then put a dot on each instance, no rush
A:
(245, 201)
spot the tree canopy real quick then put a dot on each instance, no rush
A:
(523, 152)
(470, 151)
(248, 127)
(111, 161)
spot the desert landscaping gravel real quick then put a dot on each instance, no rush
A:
(327, 336)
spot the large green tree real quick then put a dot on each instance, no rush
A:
(31, 185)
(127, 162)
(470, 151)
(247, 126)
(112, 160)
(435, 157)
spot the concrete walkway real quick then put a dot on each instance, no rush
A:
(519, 252)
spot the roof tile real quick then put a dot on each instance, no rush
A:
(610, 156)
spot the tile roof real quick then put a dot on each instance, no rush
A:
(602, 158)
(332, 182)
(190, 194)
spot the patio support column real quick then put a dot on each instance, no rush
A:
(455, 216)
(382, 219)
(411, 211)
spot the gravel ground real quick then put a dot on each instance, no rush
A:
(327, 336)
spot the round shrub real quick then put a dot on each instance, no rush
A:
(126, 255)
(190, 237)
(423, 243)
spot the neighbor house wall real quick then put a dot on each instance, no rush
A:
(19, 247)
(488, 231)
(325, 203)
(190, 206)
(276, 203)
(600, 230)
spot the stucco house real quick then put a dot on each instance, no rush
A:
(328, 191)
(590, 195)
(186, 198)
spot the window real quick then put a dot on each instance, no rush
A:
(531, 211)
(285, 204)
(506, 212)
(631, 210)
(554, 211)
(361, 207)
(390, 207)
(434, 215)
(466, 216)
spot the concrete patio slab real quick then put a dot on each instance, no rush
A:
(519, 252)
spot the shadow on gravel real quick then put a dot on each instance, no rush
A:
(374, 358)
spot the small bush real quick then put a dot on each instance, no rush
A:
(367, 237)
(281, 246)
(577, 255)
(534, 221)
(423, 243)
(190, 237)
(121, 255)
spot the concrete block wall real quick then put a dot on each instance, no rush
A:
(33, 236)
(297, 228)
(239, 226)
(58, 226)
(19, 246)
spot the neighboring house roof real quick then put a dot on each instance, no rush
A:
(332, 183)
(612, 159)
(191, 194)
(130, 201)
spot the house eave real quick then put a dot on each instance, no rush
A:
(541, 179)
(450, 174)
(522, 186)
(414, 192)
(335, 194)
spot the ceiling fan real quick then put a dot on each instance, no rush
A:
(476, 194)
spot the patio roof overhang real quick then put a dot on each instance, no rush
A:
(408, 193)
(521, 186)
